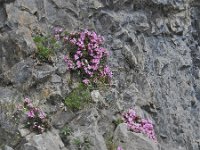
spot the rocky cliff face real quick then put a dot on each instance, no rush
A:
(155, 58)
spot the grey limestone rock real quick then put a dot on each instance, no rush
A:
(129, 56)
(49, 140)
(7, 148)
(154, 56)
(41, 73)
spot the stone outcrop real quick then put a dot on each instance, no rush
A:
(154, 54)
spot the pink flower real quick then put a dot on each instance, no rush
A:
(95, 61)
(58, 30)
(107, 72)
(86, 81)
(82, 36)
(119, 148)
(31, 114)
(42, 115)
(78, 64)
(70, 64)
(27, 100)
(66, 58)
(30, 105)
(36, 118)
(76, 57)
(94, 67)
(41, 129)
(73, 41)
(66, 38)
(79, 53)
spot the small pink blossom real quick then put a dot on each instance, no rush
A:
(73, 41)
(66, 38)
(30, 105)
(57, 30)
(27, 100)
(86, 81)
(31, 114)
(76, 57)
(78, 64)
(107, 72)
(42, 115)
(119, 148)
(79, 53)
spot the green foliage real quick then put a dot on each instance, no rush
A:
(110, 144)
(78, 98)
(66, 131)
(117, 121)
(77, 142)
(46, 46)
(84, 144)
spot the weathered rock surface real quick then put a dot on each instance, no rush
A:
(48, 140)
(154, 55)
(138, 141)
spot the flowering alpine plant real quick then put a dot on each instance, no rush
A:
(36, 119)
(136, 124)
(85, 55)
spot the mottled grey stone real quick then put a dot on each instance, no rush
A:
(40, 73)
(49, 140)
(155, 59)
(130, 57)
(97, 97)
(9, 95)
(117, 44)
(56, 79)
(61, 118)
(7, 148)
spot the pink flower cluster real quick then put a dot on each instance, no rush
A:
(86, 55)
(36, 118)
(136, 124)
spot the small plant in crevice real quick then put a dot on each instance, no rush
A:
(35, 119)
(78, 98)
(83, 144)
(85, 55)
(110, 144)
(65, 132)
(116, 122)
(139, 125)
(46, 46)
(8, 124)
